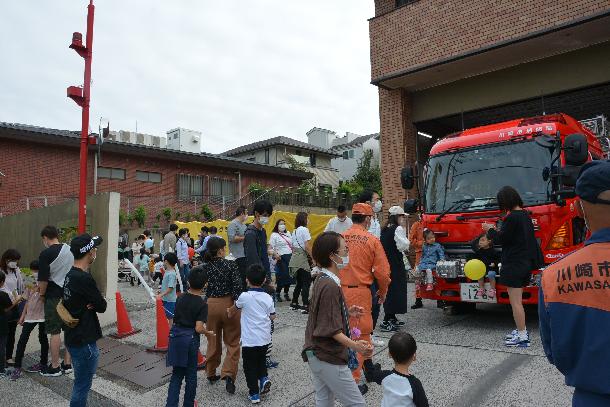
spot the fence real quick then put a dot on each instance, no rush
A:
(294, 197)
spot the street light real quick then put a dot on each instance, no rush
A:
(82, 97)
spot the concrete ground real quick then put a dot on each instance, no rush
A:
(461, 361)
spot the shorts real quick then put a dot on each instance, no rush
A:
(169, 308)
(53, 322)
(515, 277)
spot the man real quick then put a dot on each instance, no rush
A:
(213, 230)
(574, 304)
(367, 263)
(169, 240)
(84, 301)
(339, 223)
(235, 233)
(182, 251)
(54, 264)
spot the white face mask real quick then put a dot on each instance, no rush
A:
(344, 262)
(12, 264)
(281, 228)
(264, 220)
(378, 206)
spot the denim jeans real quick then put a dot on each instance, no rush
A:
(84, 362)
(185, 271)
(189, 374)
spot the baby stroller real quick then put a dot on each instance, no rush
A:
(124, 272)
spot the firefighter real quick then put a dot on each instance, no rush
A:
(365, 254)
(574, 304)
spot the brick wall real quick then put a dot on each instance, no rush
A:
(429, 30)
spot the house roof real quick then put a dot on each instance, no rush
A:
(56, 137)
(355, 142)
(277, 141)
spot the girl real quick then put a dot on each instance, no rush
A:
(14, 287)
(143, 261)
(280, 245)
(483, 248)
(300, 262)
(432, 252)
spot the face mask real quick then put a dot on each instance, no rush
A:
(584, 216)
(378, 206)
(264, 220)
(12, 264)
(281, 228)
(344, 262)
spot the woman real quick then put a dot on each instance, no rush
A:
(13, 286)
(280, 246)
(327, 335)
(520, 255)
(224, 286)
(395, 243)
(300, 263)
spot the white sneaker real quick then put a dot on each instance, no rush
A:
(376, 341)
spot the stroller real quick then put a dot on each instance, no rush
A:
(124, 272)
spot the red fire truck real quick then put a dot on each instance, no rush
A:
(540, 157)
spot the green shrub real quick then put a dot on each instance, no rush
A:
(207, 212)
(139, 215)
(167, 214)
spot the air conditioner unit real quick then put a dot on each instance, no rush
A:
(195, 139)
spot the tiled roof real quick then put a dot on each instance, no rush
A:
(277, 141)
(355, 142)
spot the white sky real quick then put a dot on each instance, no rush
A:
(238, 71)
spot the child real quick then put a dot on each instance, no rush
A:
(32, 315)
(168, 287)
(191, 316)
(6, 305)
(400, 387)
(483, 248)
(257, 312)
(432, 252)
(143, 260)
(158, 270)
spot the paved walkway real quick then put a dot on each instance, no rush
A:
(461, 362)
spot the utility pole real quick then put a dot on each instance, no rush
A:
(82, 97)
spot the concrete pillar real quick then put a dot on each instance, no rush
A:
(397, 142)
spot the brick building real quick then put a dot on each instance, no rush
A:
(40, 167)
(445, 65)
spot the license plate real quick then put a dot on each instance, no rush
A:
(468, 293)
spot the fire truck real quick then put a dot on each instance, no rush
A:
(540, 157)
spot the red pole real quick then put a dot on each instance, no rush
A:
(84, 136)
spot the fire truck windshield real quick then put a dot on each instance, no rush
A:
(474, 176)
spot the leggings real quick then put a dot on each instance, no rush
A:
(10, 340)
(302, 287)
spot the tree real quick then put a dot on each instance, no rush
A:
(368, 173)
(139, 215)
(293, 164)
(122, 217)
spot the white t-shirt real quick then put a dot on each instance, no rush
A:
(281, 243)
(299, 237)
(256, 308)
(375, 228)
(335, 225)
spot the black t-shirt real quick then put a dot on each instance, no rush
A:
(80, 290)
(5, 302)
(48, 256)
(189, 309)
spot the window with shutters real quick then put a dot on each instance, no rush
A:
(190, 186)
(223, 187)
(111, 173)
(146, 176)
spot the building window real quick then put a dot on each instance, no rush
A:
(266, 156)
(400, 3)
(146, 176)
(312, 159)
(190, 186)
(351, 153)
(225, 188)
(111, 173)
(346, 155)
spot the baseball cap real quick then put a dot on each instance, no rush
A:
(594, 179)
(83, 244)
(362, 209)
(396, 210)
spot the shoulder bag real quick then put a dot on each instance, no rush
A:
(65, 315)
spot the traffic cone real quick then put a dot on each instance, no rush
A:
(162, 330)
(201, 361)
(123, 324)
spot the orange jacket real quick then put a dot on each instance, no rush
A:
(365, 254)
(416, 237)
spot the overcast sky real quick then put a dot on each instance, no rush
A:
(238, 71)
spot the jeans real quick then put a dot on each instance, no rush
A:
(255, 366)
(375, 306)
(302, 287)
(28, 327)
(189, 374)
(84, 362)
(185, 271)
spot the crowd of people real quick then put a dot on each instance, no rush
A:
(342, 278)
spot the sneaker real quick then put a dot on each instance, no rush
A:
(271, 364)
(51, 371)
(491, 293)
(398, 323)
(387, 326)
(295, 307)
(480, 293)
(363, 389)
(518, 342)
(305, 310)
(10, 362)
(67, 369)
(230, 385)
(511, 334)
(429, 287)
(418, 304)
(254, 398)
(376, 341)
(34, 368)
(16, 373)
(264, 385)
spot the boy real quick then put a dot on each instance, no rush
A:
(5, 306)
(483, 248)
(257, 312)
(400, 387)
(168, 287)
(32, 315)
(190, 321)
(432, 252)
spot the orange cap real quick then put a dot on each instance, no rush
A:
(362, 209)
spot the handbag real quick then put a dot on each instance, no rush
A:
(65, 315)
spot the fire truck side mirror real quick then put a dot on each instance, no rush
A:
(411, 206)
(576, 149)
(407, 178)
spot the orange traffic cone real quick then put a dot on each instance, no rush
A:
(162, 330)
(201, 361)
(123, 324)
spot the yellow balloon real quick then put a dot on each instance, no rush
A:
(475, 269)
